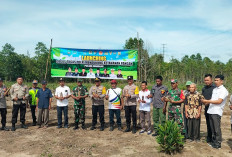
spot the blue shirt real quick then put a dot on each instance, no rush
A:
(44, 97)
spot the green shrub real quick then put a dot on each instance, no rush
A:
(170, 139)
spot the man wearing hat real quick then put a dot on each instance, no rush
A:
(130, 93)
(32, 99)
(79, 94)
(19, 94)
(62, 94)
(175, 97)
(97, 94)
(44, 100)
(3, 111)
(112, 75)
(115, 104)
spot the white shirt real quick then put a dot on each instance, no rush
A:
(114, 100)
(113, 76)
(65, 92)
(90, 75)
(143, 96)
(218, 92)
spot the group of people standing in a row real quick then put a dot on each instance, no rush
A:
(214, 96)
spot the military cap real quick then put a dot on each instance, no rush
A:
(44, 82)
(34, 81)
(97, 79)
(188, 83)
(79, 80)
(174, 80)
(129, 77)
(61, 79)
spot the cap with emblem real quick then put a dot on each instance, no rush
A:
(113, 82)
(174, 80)
(79, 80)
(61, 79)
(188, 83)
(35, 82)
(129, 77)
(97, 79)
(44, 82)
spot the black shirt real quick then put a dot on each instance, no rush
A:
(207, 91)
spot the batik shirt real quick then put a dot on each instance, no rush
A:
(193, 102)
(80, 91)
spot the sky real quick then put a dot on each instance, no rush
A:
(185, 26)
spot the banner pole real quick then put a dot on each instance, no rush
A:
(49, 54)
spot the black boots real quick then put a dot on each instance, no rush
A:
(128, 128)
(111, 128)
(93, 127)
(102, 128)
(34, 123)
(76, 126)
(23, 126)
(134, 129)
(13, 127)
(4, 128)
(120, 128)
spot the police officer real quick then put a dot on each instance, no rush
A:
(3, 111)
(79, 94)
(97, 94)
(130, 94)
(19, 94)
(32, 99)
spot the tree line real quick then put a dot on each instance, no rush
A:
(190, 67)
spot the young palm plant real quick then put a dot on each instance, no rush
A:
(170, 139)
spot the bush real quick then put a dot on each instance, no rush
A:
(170, 138)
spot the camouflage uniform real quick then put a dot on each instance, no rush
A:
(174, 110)
(79, 105)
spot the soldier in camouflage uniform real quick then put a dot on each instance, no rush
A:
(80, 92)
(175, 97)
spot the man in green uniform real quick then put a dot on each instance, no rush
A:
(175, 97)
(79, 94)
(33, 99)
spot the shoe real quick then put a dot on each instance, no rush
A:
(102, 128)
(210, 144)
(83, 126)
(23, 126)
(217, 146)
(134, 129)
(119, 128)
(155, 134)
(34, 124)
(128, 128)
(142, 131)
(66, 126)
(76, 127)
(93, 128)
(111, 128)
(5, 128)
(13, 128)
(39, 126)
(58, 127)
(149, 132)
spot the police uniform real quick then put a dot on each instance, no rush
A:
(79, 105)
(19, 91)
(97, 104)
(33, 100)
(3, 109)
(130, 103)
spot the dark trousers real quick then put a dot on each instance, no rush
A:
(185, 123)
(33, 107)
(3, 112)
(131, 111)
(98, 109)
(59, 115)
(215, 124)
(16, 108)
(194, 128)
(209, 131)
(117, 112)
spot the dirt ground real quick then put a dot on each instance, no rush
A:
(67, 142)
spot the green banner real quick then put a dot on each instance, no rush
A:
(91, 63)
